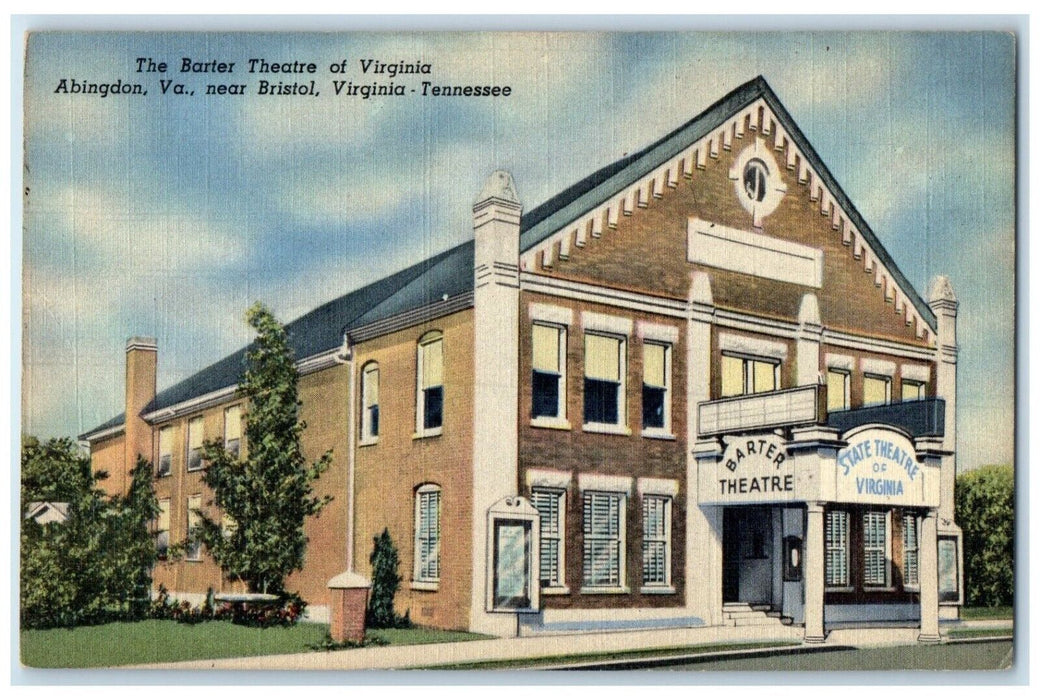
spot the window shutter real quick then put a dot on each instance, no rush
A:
(910, 550)
(602, 358)
(654, 365)
(433, 364)
(837, 557)
(545, 348)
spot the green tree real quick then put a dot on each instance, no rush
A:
(267, 495)
(385, 582)
(985, 510)
(95, 565)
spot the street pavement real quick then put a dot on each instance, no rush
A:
(449, 654)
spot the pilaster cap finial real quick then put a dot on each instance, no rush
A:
(140, 342)
(941, 290)
(499, 185)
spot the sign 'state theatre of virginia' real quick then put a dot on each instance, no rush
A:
(691, 389)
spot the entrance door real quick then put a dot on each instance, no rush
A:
(747, 555)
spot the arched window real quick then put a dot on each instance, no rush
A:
(427, 534)
(429, 399)
(370, 402)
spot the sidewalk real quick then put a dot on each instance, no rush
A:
(426, 655)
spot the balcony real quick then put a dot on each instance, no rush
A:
(921, 418)
(807, 405)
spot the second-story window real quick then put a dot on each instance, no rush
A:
(430, 394)
(165, 450)
(233, 431)
(195, 439)
(837, 390)
(877, 390)
(548, 353)
(912, 391)
(604, 379)
(749, 375)
(656, 387)
(370, 402)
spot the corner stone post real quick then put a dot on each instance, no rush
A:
(348, 599)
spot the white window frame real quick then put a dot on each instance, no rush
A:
(196, 426)
(915, 522)
(620, 427)
(748, 362)
(552, 533)
(193, 548)
(168, 454)
(425, 342)
(664, 538)
(885, 548)
(588, 537)
(370, 376)
(422, 576)
(230, 410)
(846, 399)
(833, 543)
(886, 379)
(664, 431)
(560, 419)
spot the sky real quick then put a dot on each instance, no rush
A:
(167, 215)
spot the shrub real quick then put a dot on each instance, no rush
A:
(386, 581)
(287, 613)
(985, 510)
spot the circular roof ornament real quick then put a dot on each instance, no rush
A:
(756, 177)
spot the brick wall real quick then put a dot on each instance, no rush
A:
(389, 471)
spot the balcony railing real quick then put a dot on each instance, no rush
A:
(921, 418)
(806, 405)
(803, 405)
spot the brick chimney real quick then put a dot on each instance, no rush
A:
(141, 363)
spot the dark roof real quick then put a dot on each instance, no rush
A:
(450, 273)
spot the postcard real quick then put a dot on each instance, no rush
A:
(518, 350)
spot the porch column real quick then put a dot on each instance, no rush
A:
(814, 571)
(929, 579)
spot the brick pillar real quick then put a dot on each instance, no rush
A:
(348, 599)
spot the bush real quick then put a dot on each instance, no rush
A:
(94, 566)
(386, 581)
(985, 510)
(286, 614)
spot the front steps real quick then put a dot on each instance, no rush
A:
(745, 615)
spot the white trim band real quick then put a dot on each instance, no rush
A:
(658, 487)
(619, 325)
(550, 478)
(753, 254)
(603, 482)
(835, 361)
(884, 368)
(916, 373)
(752, 346)
(658, 332)
(560, 315)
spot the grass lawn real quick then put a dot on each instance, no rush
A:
(1002, 612)
(969, 632)
(156, 641)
